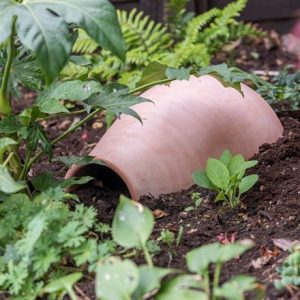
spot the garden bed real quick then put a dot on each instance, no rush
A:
(268, 212)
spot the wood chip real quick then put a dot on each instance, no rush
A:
(158, 214)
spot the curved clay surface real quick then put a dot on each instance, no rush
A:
(189, 122)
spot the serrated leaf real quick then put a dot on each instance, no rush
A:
(132, 224)
(116, 279)
(247, 183)
(179, 74)
(74, 90)
(36, 136)
(43, 181)
(154, 72)
(43, 27)
(30, 115)
(69, 161)
(34, 231)
(7, 184)
(115, 98)
(217, 173)
(10, 125)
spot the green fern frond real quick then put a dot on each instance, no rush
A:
(220, 25)
(143, 36)
(197, 24)
(84, 44)
(73, 71)
(175, 16)
(241, 29)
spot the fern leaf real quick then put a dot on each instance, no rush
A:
(84, 44)
(226, 17)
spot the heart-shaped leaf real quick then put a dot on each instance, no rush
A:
(235, 288)
(182, 287)
(132, 224)
(116, 279)
(149, 280)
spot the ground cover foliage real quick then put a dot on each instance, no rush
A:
(48, 240)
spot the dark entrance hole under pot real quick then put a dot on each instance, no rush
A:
(104, 178)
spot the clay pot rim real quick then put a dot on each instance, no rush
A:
(123, 176)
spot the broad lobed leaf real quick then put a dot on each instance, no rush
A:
(43, 26)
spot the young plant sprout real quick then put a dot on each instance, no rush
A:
(226, 176)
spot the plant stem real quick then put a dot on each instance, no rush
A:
(5, 105)
(148, 85)
(147, 256)
(8, 159)
(216, 279)
(25, 167)
(207, 284)
(61, 137)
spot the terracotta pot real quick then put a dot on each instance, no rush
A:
(190, 122)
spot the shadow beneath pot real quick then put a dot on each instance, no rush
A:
(104, 178)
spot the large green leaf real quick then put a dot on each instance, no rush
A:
(44, 27)
(236, 287)
(7, 183)
(149, 280)
(5, 19)
(132, 224)
(5, 142)
(152, 73)
(187, 287)
(116, 279)
(217, 173)
(115, 98)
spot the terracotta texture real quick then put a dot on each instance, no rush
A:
(189, 122)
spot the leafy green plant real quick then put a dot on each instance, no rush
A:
(227, 177)
(132, 226)
(286, 86)
(40, 236)
(197, 200)
(199, 260)
(290, 270)
(183, 41)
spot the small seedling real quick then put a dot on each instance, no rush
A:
(226, 176)
(290, 270)
(199, 261)
(197, 200)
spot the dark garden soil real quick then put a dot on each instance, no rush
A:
(269, 214)
(260, 54)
